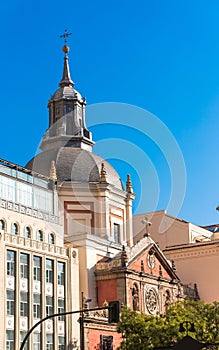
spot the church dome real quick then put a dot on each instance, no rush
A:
(67, 144)
(66, 92)
(74, 165)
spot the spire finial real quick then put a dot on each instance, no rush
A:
(66, 78)
(53, 174)
(102, 173)
(65, 36)
(124, 258)
(129, 188)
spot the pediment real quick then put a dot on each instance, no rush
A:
(149, 259)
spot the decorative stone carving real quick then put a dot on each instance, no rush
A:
(151, 300)
(151, 259)
(135, 297)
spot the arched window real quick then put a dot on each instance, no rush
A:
(27, 232)
(135, 297)
(39, 235)
(51, 238)
(14, 228)
(2, 224)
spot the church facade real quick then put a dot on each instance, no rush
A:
(66, 238)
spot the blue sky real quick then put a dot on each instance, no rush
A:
(162, 56)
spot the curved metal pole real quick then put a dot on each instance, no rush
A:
(56, 315)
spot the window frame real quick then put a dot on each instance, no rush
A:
(116, 232)
(24, 267)
(51, 239)
(37, 312)
(27, 232)
(24, 304)
(11, 264)
(49, 271)
(40, 235)
(37, 269)
(10, 302)
(14, 228)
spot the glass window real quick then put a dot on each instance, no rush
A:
(61, 343)
(51, 238)
(36, 341)
(24, 265)
(37, 268)
(39, 235)
(116, 229)
(14, 228)
(22, 336)
(24, 304)
(10, 263)
(10, 302)
(2, 224)
(61, 309)
(49, 271)
(43, 200)
(7, 188)
(36, 306)
(61, 273)
(9, 340)
(49, 342)
(24, 194)
(27, 232)
(49, 305)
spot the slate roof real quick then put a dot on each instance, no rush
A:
(75, 165)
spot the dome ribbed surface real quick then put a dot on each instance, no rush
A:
(67, 92)
(75, 165)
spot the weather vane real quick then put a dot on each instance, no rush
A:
(65, 36)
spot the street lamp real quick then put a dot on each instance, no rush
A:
(85, 302)
(187, 326)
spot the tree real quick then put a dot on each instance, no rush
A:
(144, 332)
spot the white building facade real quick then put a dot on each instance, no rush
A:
(35, 265)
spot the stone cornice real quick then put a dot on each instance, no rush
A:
(193, 251)
(32, 245)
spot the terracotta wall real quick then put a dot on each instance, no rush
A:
(107, 291)
(94, 338)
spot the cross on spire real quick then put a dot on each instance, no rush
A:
(65, 35)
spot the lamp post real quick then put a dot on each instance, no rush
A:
(187, 326)
(110, 307)
(85, 302)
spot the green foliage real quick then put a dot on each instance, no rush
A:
(144, 332)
